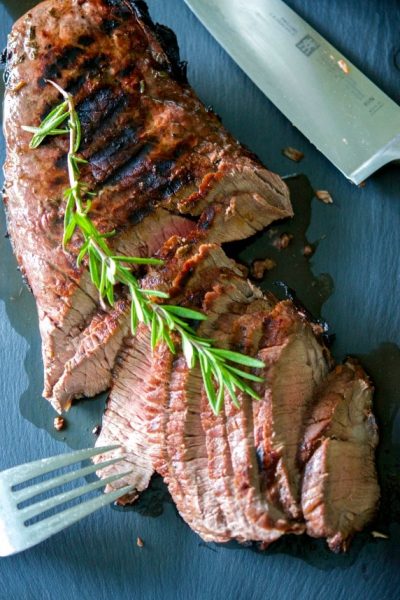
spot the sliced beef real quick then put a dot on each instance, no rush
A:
(209, 463)
(340, 492)
(172, 182)
(139, 391)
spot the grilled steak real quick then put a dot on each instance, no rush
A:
(172, 182)
(150, 142)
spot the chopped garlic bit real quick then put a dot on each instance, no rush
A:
(293, 154)
(59, 423)
(378, 534)
(324, 196)
(283, 241)
(308, 250)
(259, 267)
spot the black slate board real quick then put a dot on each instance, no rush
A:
(357, 247)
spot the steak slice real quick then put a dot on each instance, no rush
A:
(296, 362)
(150, 142)
(340, 492)
(124, 419)
(89, 371)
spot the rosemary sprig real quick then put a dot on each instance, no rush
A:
(219, 369)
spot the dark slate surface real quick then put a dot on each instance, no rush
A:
(358, 247)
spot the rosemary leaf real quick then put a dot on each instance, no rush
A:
(138, 260)
(244, 374)
(241, 359)
(168, 340)
(110, 294)
(221, 392)
(111, 271)
(69, 230)
(207, 380)
(188, 351)
(231, 390)
(155, 293)
(186, 313)
(94, 268)
(82, 253)
(103, 279)
(134, 319)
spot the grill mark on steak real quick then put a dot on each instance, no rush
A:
(118, 151)
(130, 169)
(65, 60)
(86, 40)
(96, 109)
(120, 8)
(108, 25)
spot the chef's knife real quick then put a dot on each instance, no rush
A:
(339, 109)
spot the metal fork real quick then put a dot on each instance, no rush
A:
(16, 533)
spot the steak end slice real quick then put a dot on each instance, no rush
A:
(340, 491)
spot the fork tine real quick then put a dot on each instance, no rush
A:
(39, 488)
(23, 473)
(43, 529)
(38, 508)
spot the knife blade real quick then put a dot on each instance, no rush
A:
(342, 112)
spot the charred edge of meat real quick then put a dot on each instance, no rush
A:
(85, 40)
(120, 8)
(290, 294)
(206, 218)
(3, 58)
(169, 43)
(174, 185)
(6, 56)
(167, 39)
(210, 110)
